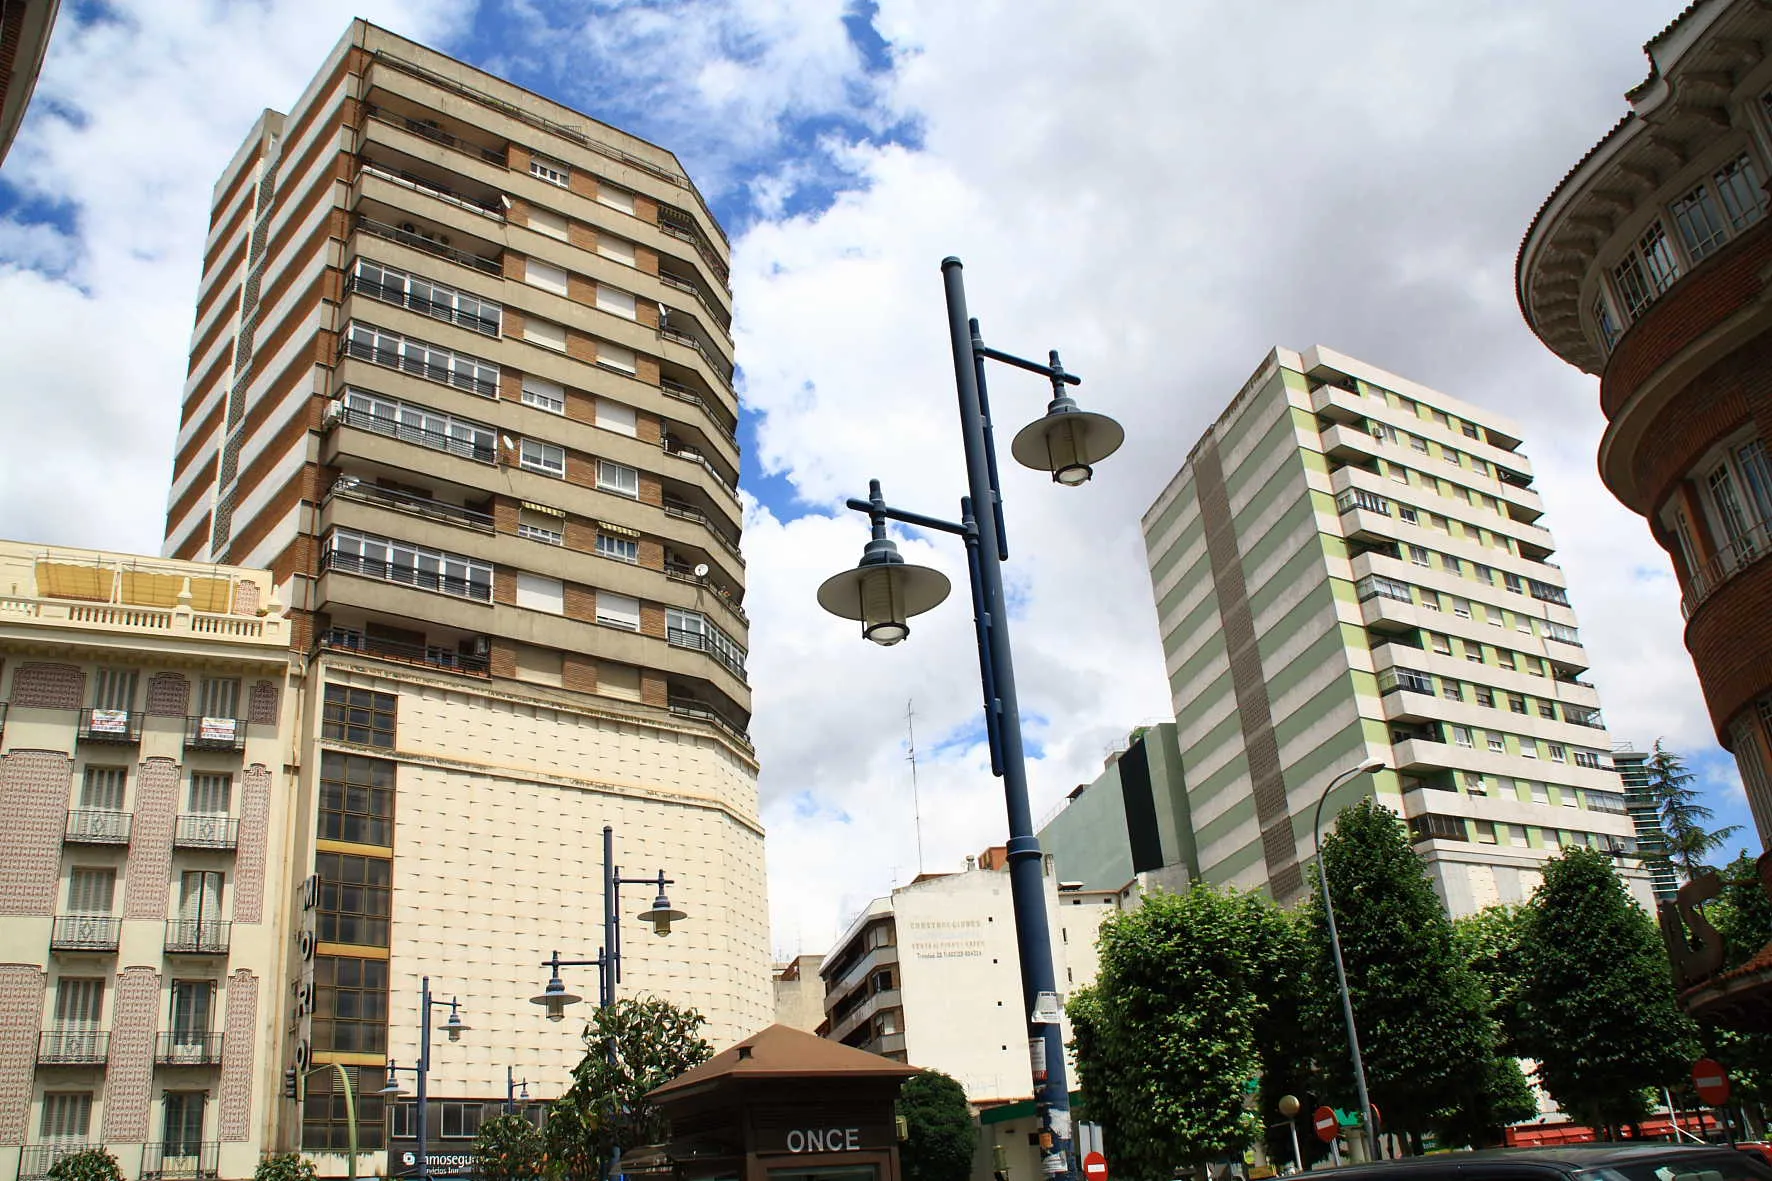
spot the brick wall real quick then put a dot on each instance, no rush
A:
(1732, 646)
(169, 695)
(34, 792)
(21, 1019)
(147, 880)
(48, 686)
(129, 1075)
(252, 850)
(653, 688)
(238, 1049)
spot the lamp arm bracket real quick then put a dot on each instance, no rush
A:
(596, 963)
(985, 350)
(904, 516)
(651, 881)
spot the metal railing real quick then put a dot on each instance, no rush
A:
(446, 312)
(352, 488)
(212, 733)
(691, 341)
(424, 184)
(676, 508)
(110, 725)
(417, 241)
(702, 642)
(427, 655)
(688, 286)
(678, 572)
(1725, 564)
(700, 712)
(35, 1160)
(435, 134)
(681, 392)
(195, 830)
(73, 1047)
(395, 429)
(198, 937)
(84, 932)
(187, 1160)
(97, 826)
(396, 359)
(430, 580)
(681, 450)
(181, 1047)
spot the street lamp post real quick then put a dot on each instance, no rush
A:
(511, 1096)
(883, 592)
(1347, 1001)
(454, 1027)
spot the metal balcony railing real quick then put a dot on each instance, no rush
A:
(73, 1047)
(207, 733)
(430, 580)
(352, 488)
(420, 366)
(197, 830)
(395, 429)
(187, 1048)
(110, 725)
(428, 655)
(97, 826)
(187, 1160)
(418, 241)
(84, 932)
(1726, 563)
(445, 310)
(35, 1160)
(197, 937)
(731, 657)
(694, 709)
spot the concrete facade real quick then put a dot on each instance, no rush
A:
(1351, 566)
(1131, 824)
(147, 721)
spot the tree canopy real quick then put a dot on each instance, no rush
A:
(1688, 842)
(509, 1148)
(939, 1134)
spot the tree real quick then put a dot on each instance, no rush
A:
(1167, 1038)
(1742, 915)
(1683, 817)
(1489, 943)
(508, 1148)
(631, 1047)
(1596, 1003)
(1423, 1014)
(939, 1135)
(90, 1164)
(284, 1166)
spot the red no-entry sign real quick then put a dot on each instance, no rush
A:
(1711, 1081)
(1323, 1120)
(1095, 1167)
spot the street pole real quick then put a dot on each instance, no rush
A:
(424, 1070)
(1003, 716)
(1347, 1000)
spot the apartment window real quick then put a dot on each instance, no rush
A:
(102, 788)
(1605, 322)
(358, 715)
(551, 171)
(539, 593)
(613, 356)
(615, 249)
(1419, 443)
(620, 199)
(350, 1004)
(622, 549)
(614, 416)
(1513, 582)
(1485, 830)
(1738, 187)
(1539, 792)
(355, 897)
(416, 424)
(397, 561)
(1547, 709)
(546, 221)
(1418, 555)
(618, 478)
(616, 302)
(1473, 651)
(1700, 222)
(617, 610)
(1516, 703)
(210, 794)
(114, 689)
(1557, 753)
(1647, 271)
(327, 1125)
(1475, 784)
(545, 333)
(79, 1002)
(1430, 599)
(544, 394)
(1483, 574)
(356, 799)
(546, 276)
(547, 458)
(426, 297)
(1443, 524)
(200, 901)
(1462, 736)
(1442, 644)
(1429, 827)
(1451, 564)
(1591, 759)
(1606, 801)
(91, 890)
(1497, 743)
(543, 525)
(1529, 747)
(1451, 689)
(426, 360)
(192, 1003)
(219, 697)
(1495, 615)
(1485, 697)
(1461, 607)
(1408, 514)
(1546, 593)
(691, 629)
(1384, 432)
(67, 1116)
(1504, 656)
(1399, 473)
(1359, 498)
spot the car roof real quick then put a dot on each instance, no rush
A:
(1575, 1156)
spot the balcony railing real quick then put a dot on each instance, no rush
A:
(352, 488)
(691, 340)
(703, 642)
(681, 392)
(688, 286)
(110, 725)
(430, 580)
(445, 311)
(435, 134)
(84, 932)
(73, 1047)
(180, 1161)
(198, 831)
(395, 429)
(1725, 564)
(35, 1160)
(185, 1048)
(424, 184)
(408, 363)
(418, 241)
(687, 512)
(428, 655)
(96, 826)
(695, 709)
(210, 733)
(680, 572)
(197, 937)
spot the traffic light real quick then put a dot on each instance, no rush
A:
(291, 1084)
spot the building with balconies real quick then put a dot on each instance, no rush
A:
(24, 39)
(931, 974)
(461, 377)
(147, 720)
(1352, 566)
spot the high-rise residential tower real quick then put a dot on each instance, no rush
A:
(1350, 566)
(461, 378)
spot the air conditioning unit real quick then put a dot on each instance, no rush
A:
(335, 411)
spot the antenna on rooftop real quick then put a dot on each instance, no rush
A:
(916, 807)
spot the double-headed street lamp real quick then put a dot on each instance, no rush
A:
(883, 592)
(454, 1027)
(1368, 767)
(661, 914)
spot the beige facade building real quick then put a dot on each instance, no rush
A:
(146, 860)
(461, 378)
(931, 975)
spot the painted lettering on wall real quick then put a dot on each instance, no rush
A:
(824, 1140)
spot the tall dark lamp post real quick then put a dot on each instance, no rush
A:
(883, 592)
(454, 1027)
(1347, 1000)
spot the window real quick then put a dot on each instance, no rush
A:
(1485, 831)
(546, 276)
(1399, 473)
(1430, 599)
(1451, 689)
(1547, 709)
(1551, 838)
(550, 171)
(1497, 743)
(416, 424)
(615, 357)
(541, 524)
(621, 199)
(425, 297)
(358, 715)
(1648, 270)
(67, 1116)
(1470, 429)
(1359, 498)
(1546, 593)
(1451, 564)
(1456, 460)
(1475, 784)
(1442, 524)
(1700, 222)
(1473, 651)
(1540, 793)
(545, 333)
(615, 249)
(1516, 703)
(1442, 644)
(1441, 419)
(102, 788)
(691, 629)
(622, 549)
(1430, 827)
(618, 478)
(1605, 322)
(90, 890)
(544, 394)
(1462, 736)
(1738, 187)
(370, 343)
(1557, 753)
(621, 611)
(326, 1124)
(540, 593)
(1562, 633)
(200, 905)
(79, 1002)
(1485, 696)
(1592, 759)
(210, 794)
(1419, 443)
(192, 1003)
(1461, 607)
(614, 416)
(461, 1121)
(114, 689)
(1504, 656)
(616, 302)
(546, 221)
(1756, 477)
(356, 799)
(1496, 616)
(1529, 747)
(1606, 801)
(350, 1004)
(546, 458)
(1408, 514)
(1418, 555)
(1483, 574)
(218, 697)
(354, 899)
(1513, 582)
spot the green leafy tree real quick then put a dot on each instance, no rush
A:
(1167, 1038)
(631, 1047)
(1489, 942)
(91, 1164)
(939, 1134)
(1742, 915)
(508, 1148)
(1423, 1014)
(1688, 842)
(1596, 1002)
(284, 1166)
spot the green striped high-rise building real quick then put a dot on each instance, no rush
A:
(1351, 566)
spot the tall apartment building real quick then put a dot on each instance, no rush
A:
(24, 39)
(1131, 824)
(146, 712)
(931, 973)
(1633, 772)
(1351, 566)
(461, 378)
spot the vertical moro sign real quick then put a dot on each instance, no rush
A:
(302, 986)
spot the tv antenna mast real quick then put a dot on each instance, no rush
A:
(916, 807)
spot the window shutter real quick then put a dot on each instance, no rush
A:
(616, 357)
(546, 221)
(544, 333)
(616, 249)
(540, 593)
(615, 301)
(613, 416)
(618, 610)
(545, 275)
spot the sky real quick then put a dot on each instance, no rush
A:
(1163, 192)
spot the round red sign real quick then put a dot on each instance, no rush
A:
(1323, 1120)
(1711, 1081)
(1095, 1167)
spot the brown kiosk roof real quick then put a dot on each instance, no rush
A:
(781, 1051)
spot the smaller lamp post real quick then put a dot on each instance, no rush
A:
(511, 1087)
(454, 1027)
(1289, 1106)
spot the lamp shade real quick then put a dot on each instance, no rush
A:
(1067, 442)
(883, 592)
(555, 998)
(392, 1087)
(455, 1026)
(662, 915)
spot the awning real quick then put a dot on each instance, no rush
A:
(546, 510)
(617, 530)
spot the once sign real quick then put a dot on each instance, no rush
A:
(824, 1139)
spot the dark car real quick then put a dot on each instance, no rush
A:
(1573, 1162)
